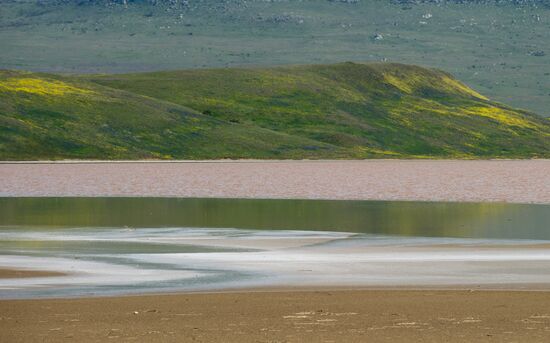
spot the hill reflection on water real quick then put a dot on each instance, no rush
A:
(430, 219)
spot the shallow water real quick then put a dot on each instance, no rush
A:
(125, 246)
(408, 218)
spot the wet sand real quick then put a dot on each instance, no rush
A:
(300, 316)
(137, 261)
(6, 273)
(518, 181)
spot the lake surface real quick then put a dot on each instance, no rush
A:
(433, 219)
(110, 246)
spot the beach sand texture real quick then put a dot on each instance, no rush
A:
(300, 316)
(519, 181)
(285, 315)
(6, 273)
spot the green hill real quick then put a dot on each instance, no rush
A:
(49, 117)
(345, 110)
(499, 47)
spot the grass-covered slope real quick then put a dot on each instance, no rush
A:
(343, 110)
(48, 117)
(382, 109)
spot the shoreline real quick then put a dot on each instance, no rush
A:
(503, 288)
(293, 316)
(286, 265)
(69, 161)
(454, 313)
(279, 289)
(397, 200)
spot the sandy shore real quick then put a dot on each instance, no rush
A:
(519, 181)
(301, 316)
(6, 273)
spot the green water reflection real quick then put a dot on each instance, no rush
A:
(480, 220)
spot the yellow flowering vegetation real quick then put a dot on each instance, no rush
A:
(41, 87)
(501, 115)
(463, 88)
(408, 83)
(398, 83)
(376, 151)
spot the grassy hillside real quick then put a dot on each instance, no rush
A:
(499, 47)
(48, 117)
(389, 109)
(345, 110)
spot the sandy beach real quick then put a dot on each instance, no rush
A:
(299, 316)
(343, 288)
(517, 181)
(23, 273)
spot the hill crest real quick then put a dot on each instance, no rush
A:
(344, 110)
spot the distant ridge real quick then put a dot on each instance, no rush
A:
(345, 110)
(499, 47)
(183, 3)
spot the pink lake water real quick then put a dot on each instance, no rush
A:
(518, 181)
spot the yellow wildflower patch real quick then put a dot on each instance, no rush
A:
(377, 151)
(501, 115)
(408, 83)
(398, 83)
(40, 87)
(461, 87)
